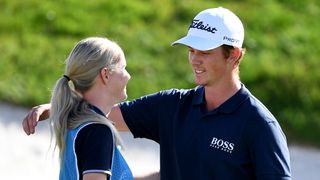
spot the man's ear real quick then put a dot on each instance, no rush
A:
(235, 54)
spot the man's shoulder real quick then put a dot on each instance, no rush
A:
(181, 92)
(259, 109)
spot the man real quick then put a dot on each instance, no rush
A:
(217, 130)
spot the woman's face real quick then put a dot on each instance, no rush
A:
(119, 78)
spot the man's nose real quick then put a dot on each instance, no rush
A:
(195, 59)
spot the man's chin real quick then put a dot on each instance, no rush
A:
(199, 83)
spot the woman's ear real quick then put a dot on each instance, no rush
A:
(104, 74)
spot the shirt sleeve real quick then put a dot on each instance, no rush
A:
(146, 115)
(269, 151)
(94, 146)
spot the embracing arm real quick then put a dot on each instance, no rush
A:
(37, 113)
(41, 112)
(116, 116)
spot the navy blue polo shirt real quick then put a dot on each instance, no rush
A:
(240, 139)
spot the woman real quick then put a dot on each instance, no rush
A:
(94, 81)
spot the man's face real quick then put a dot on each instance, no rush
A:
(209, 67)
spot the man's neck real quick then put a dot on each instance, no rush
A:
(217, 95)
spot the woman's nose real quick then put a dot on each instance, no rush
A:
(129, 76)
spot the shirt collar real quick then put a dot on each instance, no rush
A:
(235, 101)
(199, 96)
(228, 106)
(96, 110)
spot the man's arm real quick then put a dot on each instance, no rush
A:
(37, 113)
(116, 116)
(41, 112)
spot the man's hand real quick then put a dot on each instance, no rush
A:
(37, 113)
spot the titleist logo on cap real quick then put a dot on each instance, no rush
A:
(197, 24)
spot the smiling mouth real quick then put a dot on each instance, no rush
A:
(198, 71)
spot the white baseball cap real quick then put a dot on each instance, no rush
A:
(212, 28)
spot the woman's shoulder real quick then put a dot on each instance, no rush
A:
(95, 129)
(94, 135)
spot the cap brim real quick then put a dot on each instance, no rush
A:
(198, 43)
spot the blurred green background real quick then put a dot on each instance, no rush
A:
(280, 67)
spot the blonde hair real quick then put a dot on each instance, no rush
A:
(68, 108)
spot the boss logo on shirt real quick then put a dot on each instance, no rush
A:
(222, 145)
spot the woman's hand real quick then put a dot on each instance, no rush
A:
(37, 113)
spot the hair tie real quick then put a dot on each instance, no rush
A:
(67, 77)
